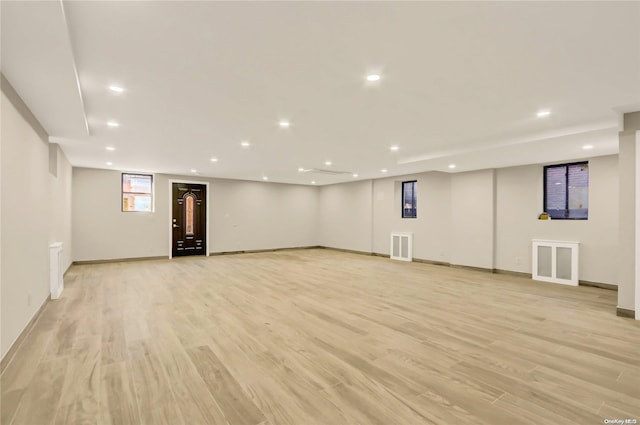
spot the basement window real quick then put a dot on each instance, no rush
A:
(137, 192)
(409, 199)
(566, 191)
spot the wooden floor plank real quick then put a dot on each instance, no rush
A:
(236, 406)
(155, 399)
(118, 404)
(44, 392)
(80, 392)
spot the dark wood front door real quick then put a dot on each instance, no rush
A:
(189, 219)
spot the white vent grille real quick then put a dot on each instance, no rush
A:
(56, 269)
(555, 261)
(401, 246)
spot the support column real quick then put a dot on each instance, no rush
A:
(629, 172)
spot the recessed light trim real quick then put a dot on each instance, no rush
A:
(214, 159)
(300, 169)
(193, 170)
(110, 148)
(542, 114)
(245, 144)
(373, 77)
(265, 178)
(587, 147)
(394, 148)
(284, 124)
(328, 163)
(354, 175)
(313, 182)
(452, 166)
(384, 170)
(109, 163)
(116, 89)
(113, 124)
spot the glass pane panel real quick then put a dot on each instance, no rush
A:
(556, 192)
(396, 246)
(136, 183)
(544, 261)
(563, 263)
(578, 191)
(409, 200)
(188, 214)
(136, 202)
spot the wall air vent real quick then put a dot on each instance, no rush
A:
(555, 261)
(401, 246)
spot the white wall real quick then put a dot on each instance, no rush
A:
(472, 218)
(249, 215)
(35, 212)
(60, 205)
(483, 218)
(520, 200)
(101, 231)
(243, 215)
(627, 214)
(345, 216)
(431, 228)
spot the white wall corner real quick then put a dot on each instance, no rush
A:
(637, 228)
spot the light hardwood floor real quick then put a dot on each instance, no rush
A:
(321, 337)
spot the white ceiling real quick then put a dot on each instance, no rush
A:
(461, 83)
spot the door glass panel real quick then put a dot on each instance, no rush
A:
(563, 263)
(189, 214)
(544, 261)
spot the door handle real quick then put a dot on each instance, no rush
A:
(175, 225)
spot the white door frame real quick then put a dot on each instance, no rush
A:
(170, 217)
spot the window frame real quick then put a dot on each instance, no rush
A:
(415, 199)
(566, 196)
(122, 192)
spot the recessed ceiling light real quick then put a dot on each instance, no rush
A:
(193, 170)
(373, 77)
(109, 163)
(354, 175)
(265, 178)
(587, 147)
(328, 163)
(110, 148)
(452, 166)
(313, 182)
(113, 124)
(116, 89)
(541, 114)
(300, 169)
(214, 159)
(384, 170)
(284, 124)
(394, 148)
(245, 144)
